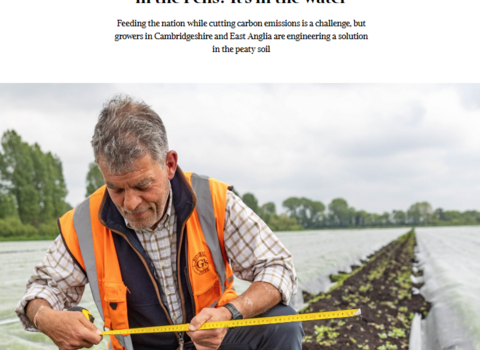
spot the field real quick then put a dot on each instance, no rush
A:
(449, 258)
(382, 289)
(339, 250)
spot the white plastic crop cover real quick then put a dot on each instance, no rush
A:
(450, 258)
(318, 254)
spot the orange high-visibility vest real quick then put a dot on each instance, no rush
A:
(211, 277)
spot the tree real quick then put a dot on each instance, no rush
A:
(385, 219)
(308, 213)
(420, 213)
(33, 178)
(60, 193)
(8, 207)
(375, 219)
(43, 181)
(453, 217)
(361, 218)
(49, 183)
(251, 201)
(94, 179)
(399, 217)
(19, 175)
(284, 223)
(439, 214)
(293, 206)
(267, 212)
(470, 217)
(269, 209)
(340, 213)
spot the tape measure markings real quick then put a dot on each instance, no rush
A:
(241, 323)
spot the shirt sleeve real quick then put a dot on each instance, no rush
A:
(255, 252)
(57, 279)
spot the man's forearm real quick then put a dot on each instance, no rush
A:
(33, 307)
(68, 330)
(258, 298)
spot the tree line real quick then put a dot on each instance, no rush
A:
(304, 213)
(32, 190)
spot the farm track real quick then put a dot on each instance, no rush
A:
(382, 289)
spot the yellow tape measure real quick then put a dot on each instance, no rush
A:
(88, 315)
(242, 323)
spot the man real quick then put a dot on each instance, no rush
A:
(159, 246)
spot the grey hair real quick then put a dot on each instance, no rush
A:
(128, 130)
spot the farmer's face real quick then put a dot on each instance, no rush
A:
(141, 194)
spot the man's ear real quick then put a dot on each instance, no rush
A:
(171, 164)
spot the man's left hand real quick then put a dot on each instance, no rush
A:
(209, 339)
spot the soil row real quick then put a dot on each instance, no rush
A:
(382, 289)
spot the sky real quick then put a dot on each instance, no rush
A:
(382, 147)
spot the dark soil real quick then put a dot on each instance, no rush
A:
(382, 289)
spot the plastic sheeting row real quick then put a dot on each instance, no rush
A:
(319, 254)
(450, 259)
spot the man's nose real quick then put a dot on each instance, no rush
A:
(131, 201)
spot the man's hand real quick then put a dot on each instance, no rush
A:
(209, 339)
(258, 298)
(68, 330)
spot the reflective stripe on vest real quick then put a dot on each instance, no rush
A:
(83, 227)
(201, 186)
(205, 211)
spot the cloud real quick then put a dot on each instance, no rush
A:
(381, 147)
(469, 95)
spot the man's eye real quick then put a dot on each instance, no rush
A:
(144, 188)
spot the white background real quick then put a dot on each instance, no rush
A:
(73, 41)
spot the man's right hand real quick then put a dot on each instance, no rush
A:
(68, 330)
